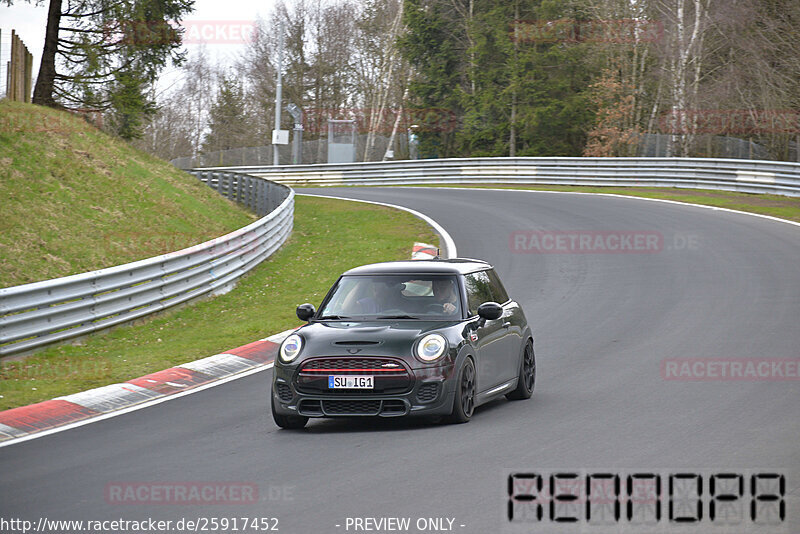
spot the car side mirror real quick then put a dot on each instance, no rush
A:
(490, 311)
(305, 311)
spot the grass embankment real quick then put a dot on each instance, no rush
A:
(329, 237)
(773, 205)
(73, 199)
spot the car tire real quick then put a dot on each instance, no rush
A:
(464, 403)
(527, 375)
(291, 422)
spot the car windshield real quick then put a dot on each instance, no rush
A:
(412, 296)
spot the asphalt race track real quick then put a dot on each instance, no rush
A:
(721, 286)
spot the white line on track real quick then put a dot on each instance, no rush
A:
(677, 202)
(146, 404)
(449, 244)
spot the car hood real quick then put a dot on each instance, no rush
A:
(390, 338)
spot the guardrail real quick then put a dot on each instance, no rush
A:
(37, 314)
(261, 196)
(749, 176)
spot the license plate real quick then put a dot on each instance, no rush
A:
(350, 382)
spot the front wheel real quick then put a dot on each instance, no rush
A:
(527, 375)
(291, 422)
(464, 403)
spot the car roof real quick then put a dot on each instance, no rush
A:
(451, 266)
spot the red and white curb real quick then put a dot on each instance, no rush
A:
(27, 422)
(424, 251)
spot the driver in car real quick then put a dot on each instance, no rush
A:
(445, 295)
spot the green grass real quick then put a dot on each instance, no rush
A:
(773, 205)
(75, 199)
(329, 237)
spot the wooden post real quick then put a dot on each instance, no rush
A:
(19, 71)
(12, 70)
(28, 86)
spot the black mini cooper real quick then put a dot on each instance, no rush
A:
(425, 337)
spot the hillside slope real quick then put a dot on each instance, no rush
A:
(73, 199)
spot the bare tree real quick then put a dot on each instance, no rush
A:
(179, 126)
(682, 54)
(381, 69)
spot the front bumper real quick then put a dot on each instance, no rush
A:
(430, 392)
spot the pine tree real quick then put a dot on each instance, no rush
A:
(105, 55)
(228, 122)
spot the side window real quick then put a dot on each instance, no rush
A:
(478, 290)
(498, 291)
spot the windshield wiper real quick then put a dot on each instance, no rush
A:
(396, 317)
(334, 317)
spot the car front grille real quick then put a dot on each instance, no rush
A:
(284, 392)
(312, 407)
(428, 392)
(391, 375)
(352, 407)
(383, 366)
(393, 407)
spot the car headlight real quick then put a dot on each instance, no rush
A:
(290, 348)
(431, 347)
